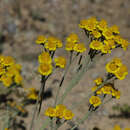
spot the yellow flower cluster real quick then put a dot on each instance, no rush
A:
(117, 68)
(45, 67)
(73, 44)
(45, 60)
(104, 38)
(106, 89)
(32, 94)
(60, 112)
(95, 101)
(50, 43)
(9, 71)
(117, 127)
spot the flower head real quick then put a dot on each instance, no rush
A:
(45, 69)
(41, 39)
(98, 81)
(68, 115)
(94, 88)
(102, 25)
(18, 79)
(122, 72)
(95, 101)
(69, 46)
(51, 112)
(116, 94)
(112, 67)
(107, 89)
(60, 62)
(51, 46)
(96, 34)
(72, 38)
(96, 45)
(55, 41)
(44, 58)
(117, 127)
(60, 110)
(110, 43)
(8, 60)
(107, 33)
(115, 29)
(7, 81)
(32, 94)
(106, 49)
(80, 47)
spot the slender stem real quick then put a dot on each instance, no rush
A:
(36, 106)
(76, 79)
(63, 77)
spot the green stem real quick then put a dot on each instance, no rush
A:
(36, 107)
(76, 79)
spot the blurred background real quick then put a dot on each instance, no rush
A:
(21, 21)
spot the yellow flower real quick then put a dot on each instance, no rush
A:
(116, 94)
(99, 91)
(41, 39)
(72, 38)
(117, 127)
(6, 129)
(91, 25)
(51, 112)
(102, 25)
(12, 71)
(83, 23)
(44, 58)
(96, 34)
(45, 69)
(117, 61)
(105, 49)
(110, 43)
(18, 79)
(60, 106)
(32, 94)
(107, 89)
(8, 60)
(107, 33)
(94, 88)
(127, 129)
(51, 46)
(117, 39)
(98, 81)
(95, 101)
(60, 110)
(112, 67)
(67, 114)
(80, 47)
(115, 29)
(2, 69)
(96, 45)
(122, 72)
(7, 81)
(55, 41)
(124, 44)
(69, 46)
(60, 62)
